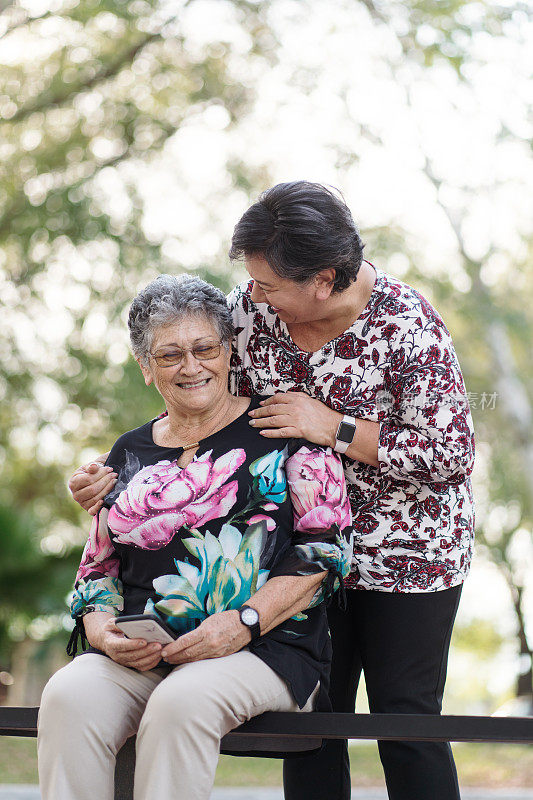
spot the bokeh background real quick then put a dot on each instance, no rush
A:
(133, 135)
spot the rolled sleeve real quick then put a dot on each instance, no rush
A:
(97, 586)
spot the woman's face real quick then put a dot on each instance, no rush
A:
(193, 385)
(292, 302)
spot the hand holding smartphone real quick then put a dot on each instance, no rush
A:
(145, 626)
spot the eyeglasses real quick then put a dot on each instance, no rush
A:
(202, 352)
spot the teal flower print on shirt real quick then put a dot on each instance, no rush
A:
(179, 625)
(227, 576)
(335, 557)
(102, 594)
(269, 476)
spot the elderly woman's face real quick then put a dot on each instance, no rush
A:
(193, 384)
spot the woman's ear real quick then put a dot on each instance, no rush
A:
(324, 283)
(147, 374)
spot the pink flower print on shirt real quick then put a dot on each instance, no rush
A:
(99, 554)
(262, 517)
(163, 497)
(318, 490)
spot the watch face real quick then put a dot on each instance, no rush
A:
(249, 616)
(345, 432)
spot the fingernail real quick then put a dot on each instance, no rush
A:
(164, 653)
(251, 422)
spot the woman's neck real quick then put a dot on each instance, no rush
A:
(180, 429)
(340, 313)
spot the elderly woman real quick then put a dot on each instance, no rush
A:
(232, 539)
(353, 358)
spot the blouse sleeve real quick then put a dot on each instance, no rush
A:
(429, 435)
(97, 586)
(322, 534)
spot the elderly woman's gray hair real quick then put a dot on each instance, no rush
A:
(169, 298)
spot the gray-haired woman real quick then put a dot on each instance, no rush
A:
(221, 534)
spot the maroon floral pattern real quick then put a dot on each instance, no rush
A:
(413, 515)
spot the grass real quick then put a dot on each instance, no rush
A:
(18, 760)
(495, 766)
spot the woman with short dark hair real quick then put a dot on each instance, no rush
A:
(356, 359)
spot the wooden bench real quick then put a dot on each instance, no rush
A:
(292, 732)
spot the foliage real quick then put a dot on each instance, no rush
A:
(105, 88)
(90, 94)
(93, 99)
(479, 636)
(32, 584)
(485, 296)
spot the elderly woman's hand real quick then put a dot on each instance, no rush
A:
(104, 635)
(219, 635)
(90, 484)
(296, 415)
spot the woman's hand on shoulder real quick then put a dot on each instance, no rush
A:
(90, 484)
(219, 635)
(133, 653)
(296, 415)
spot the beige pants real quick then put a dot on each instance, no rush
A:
(90, 707)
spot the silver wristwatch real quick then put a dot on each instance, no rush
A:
(250, 618)
(345, 434)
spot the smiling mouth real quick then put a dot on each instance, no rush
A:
(195, 385)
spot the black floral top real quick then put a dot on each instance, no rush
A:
(187, 542)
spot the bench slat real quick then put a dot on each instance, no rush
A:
(288, 726)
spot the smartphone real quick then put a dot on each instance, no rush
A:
(145, 626)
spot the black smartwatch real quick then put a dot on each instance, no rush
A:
(250, 618)
(345, 434)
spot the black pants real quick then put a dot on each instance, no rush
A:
(401, 643)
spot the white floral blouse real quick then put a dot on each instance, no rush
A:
(413, 514)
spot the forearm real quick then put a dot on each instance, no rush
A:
(282, 597)
(408, 451)
(94, 623)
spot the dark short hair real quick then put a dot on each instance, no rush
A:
(301, 228)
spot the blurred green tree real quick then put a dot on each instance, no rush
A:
(32, 584)
(90, 93)
(492, 316)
